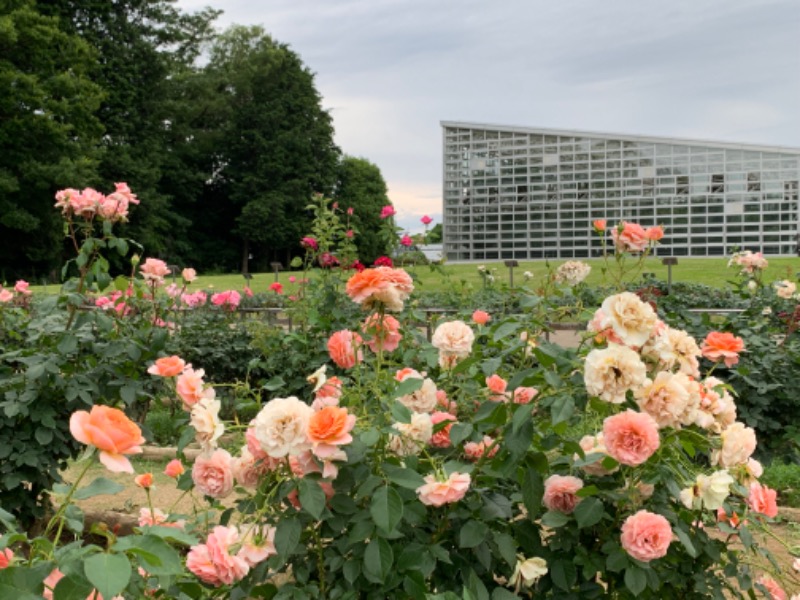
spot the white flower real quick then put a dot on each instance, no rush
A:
(318, 378)
(767, 311)
(785, 289)
(527, 275)
(671, 348)
(454, 340)
(612, 371)
(687, 497)
(205, 420)
(527, 571)
(713, 490)
(424, 399)
(631, 319)
(572, 272)
(481, 268)
(280, 427)
(412, 437)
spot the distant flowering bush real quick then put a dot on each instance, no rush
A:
(572, 272)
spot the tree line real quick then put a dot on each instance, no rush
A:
(221, 135)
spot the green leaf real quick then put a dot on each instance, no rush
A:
(287, 536)
(109, 573)
(172, 534)
(563, 573)
(409, 386)
(404, 477)
(459, 432)
(43, 435)
(275, 383)
(386, 508)
(156, 556)
(617, 560)
(400, 412)
(499, 593)
(71, 587)
(504, 330)
(312, 497)
(562, 409)
(686, 541)
(472, 534)
(588, 512)
(507, 548)
(463, 365)
(128, 394)
(68, 344)
(554, 519)
(98, 487)
(635, 579)
(370, 437)
(532, 492)
(378, 559)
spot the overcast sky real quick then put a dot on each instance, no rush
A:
(390, 70)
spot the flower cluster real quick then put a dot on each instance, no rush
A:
(90, 203)
(749, 263)
(572, 272)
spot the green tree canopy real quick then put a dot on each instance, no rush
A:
(360, 186)
(48, 134)
(275, 146)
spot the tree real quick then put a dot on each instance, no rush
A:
(48, 134)
(360, 186)
(435, 234)
(144, 49)
(276, 145)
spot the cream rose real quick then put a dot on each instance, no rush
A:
(280, 427)
(714, 489)
(205, 420)
(454, 340)
(411, 437)
(666, 399)
(612, 371)
(738, 444)
(631, 319)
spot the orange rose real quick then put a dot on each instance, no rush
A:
(722, 345)
(328, 428)
(169, 366)
(111, 432)
(599, 225)
(145, 480)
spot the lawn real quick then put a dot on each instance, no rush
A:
(709, 271)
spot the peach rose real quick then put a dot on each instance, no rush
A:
(438, 493)
(524, 395)
(344, 348)
(248, 470)
(646, 536)
(666, 399)
(474, 451)
(382, 335)
(188, 275)
(599, 225)
(631, 437)
(481, 317)
(213, 473)
(111, 432)
(145, 480)
(6, 556)
(329, 428)
(191, 387)
(441, 439)
(169, 366)
(654, 234)
(560, 493)
(174, 468)
(332, 388)
(258, 544)
(594, 444)
(380, 285)
(496, 384)
(762, 499)
(629, 237)
(722, 345)
(158, 517)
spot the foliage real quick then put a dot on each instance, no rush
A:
(786, 479)
(48, 133)
(360, 186)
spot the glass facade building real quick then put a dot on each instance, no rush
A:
(527, 193)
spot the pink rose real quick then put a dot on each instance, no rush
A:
(629, 237)
(481, 317)
(631, 437)
(191, 387)
(560, 493)
(775, 591)
(426, 220)
(441, 439)
(438, 493)
(309, 243)
(6, 295)
(213, 474)
(213, 562)
(388, 211)
(475, 450)
(406, 241)
(762, 499)
(646, 536)
(496, 384)
(276, 287)
(382, 335)
(154, 270)
(524, 395)
(227, 300)
(21, 287)
(344, 348)
(188, 275)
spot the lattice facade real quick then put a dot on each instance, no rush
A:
(515, 192)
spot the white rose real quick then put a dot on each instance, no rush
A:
(280, 427)
(612, 371)
(411, 437)
(527, 571)
(205, 420)
(713, 490)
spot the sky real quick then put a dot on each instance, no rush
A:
(390, 71)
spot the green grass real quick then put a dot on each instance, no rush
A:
(708, 271)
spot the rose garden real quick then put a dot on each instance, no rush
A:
(351, 456)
